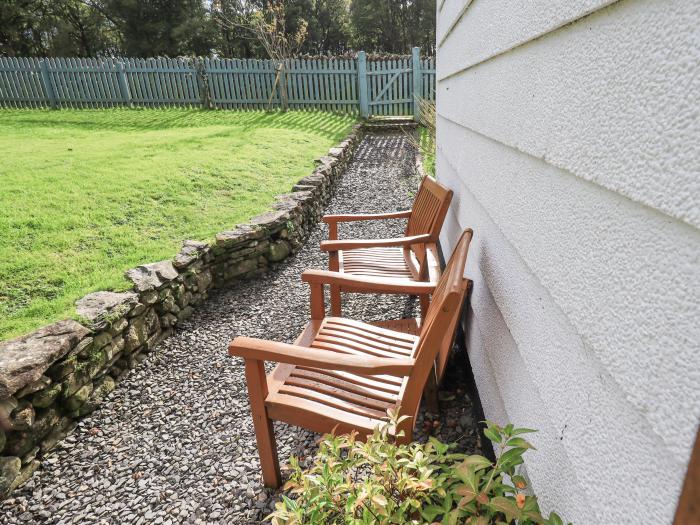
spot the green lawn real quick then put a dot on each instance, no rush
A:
(88, 194)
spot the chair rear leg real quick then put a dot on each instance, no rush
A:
(264, 432)
(430, 393)
(424, 304)
(334, 266)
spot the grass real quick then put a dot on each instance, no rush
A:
(87, 194)
(427, 149)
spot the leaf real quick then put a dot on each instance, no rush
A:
(554, 519)
(475, 461)
(511, 455)
(492, 435)
(379, 500)
(505, 506)
(522, 431)
(519, 442)
(482, 498)
(467, 493)
(430, 511)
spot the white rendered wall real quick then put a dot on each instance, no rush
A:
(570, 133)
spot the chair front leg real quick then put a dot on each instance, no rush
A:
(264, 432)
(334, 266)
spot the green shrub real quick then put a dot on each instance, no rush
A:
(382, 482)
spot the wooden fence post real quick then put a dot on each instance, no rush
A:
(417, 83)
(281, 71)
(362, 83)
(203, 81)
(48, 87)
(123, 85)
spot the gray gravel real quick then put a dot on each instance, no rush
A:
(174, 442)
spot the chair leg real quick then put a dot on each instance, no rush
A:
(264, 432)
(424, 304)
(335, 301)
(430, 393)
(334, 266)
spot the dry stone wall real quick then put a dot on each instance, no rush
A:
(52, 377)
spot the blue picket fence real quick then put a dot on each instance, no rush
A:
(359, 85)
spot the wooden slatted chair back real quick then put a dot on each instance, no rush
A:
(427, 216)
(438, 327)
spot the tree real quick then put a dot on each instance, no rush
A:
(144, 28)
(329, 28)
(392, 25)
(159, 27)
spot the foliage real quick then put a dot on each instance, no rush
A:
(269, 26)
(427, 117)
(382, 482)
(88, 194)
(393, 26)
(425, 141)
(193, 27)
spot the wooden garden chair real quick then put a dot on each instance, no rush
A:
(412, 258)
(342, 375)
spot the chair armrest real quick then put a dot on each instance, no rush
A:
(367, 216)
(263, 350)
(367, 284)
(334, 246)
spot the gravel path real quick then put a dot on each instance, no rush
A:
(174, 442)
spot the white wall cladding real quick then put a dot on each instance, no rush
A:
(574, 156)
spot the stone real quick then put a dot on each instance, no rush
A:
(25, 359)
(466, 421)
(135, 335)
(30, 456)
(203, 280)
(24, 475)
(102, 340)
(167, 305)
(22, 417)
(118, 326)
(138, 310)
(271, 220)
(149, 297)
(37, 385)
(95, 363)
(150, 276)
(75, 401)
(99, 309)
(62, 428)
(20, 443)
(114, 348)
(10, 467)
(3, 439)
(168, 320)
(84, 347)
(243, 267)
(279, 250)
(185, 313)
(75, 381)
(61, 369)
(46, 397)
(239, 235)
(314, 180)
(103, 386)
(189, 253)
(152, 322)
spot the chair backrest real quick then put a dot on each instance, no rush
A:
(428, 214)
(429, 209)
(439, 325)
